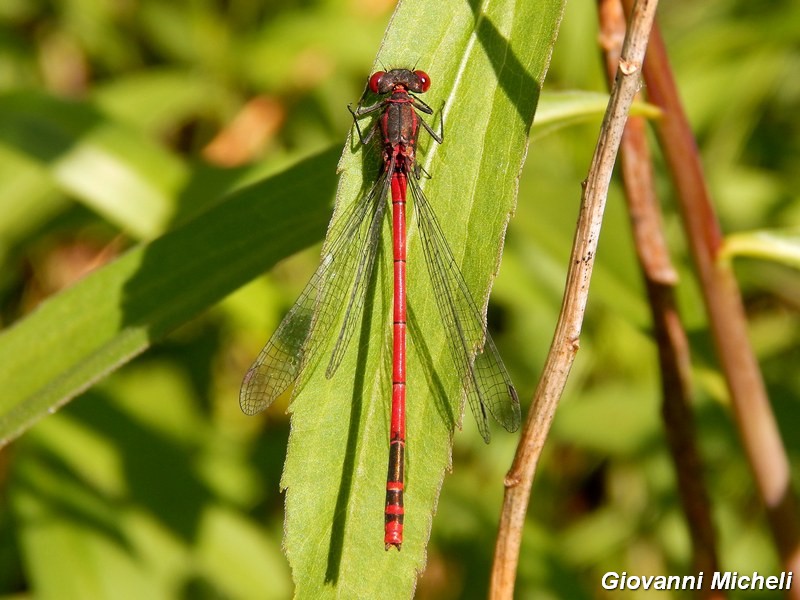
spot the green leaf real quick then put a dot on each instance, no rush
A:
(486, 63)
(560, 109)
(99, 484)
(113, 169)
(781, 246)
(45, 494)
(155, 99)
(27, 198)
(78, 336)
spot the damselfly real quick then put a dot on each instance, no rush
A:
(341, 281)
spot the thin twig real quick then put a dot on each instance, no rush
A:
(751, 408)
(673, 346)
(566, 338)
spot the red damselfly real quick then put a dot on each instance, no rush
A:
(341, 281)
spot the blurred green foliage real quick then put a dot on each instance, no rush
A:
(153, 485)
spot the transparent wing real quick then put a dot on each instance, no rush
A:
(364, 272)
(483, 375)
(346, 265)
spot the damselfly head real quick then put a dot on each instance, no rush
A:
(384, 82)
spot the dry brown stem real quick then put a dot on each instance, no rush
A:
(673, 346)
(566, 337)
(751, 408)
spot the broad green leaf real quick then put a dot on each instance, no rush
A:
(115, 170)
(782, 246)
(115, 313)
(486, 62)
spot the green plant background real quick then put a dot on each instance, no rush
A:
(152, 484)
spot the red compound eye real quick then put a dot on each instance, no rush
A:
(424, 80)
(375, 81)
